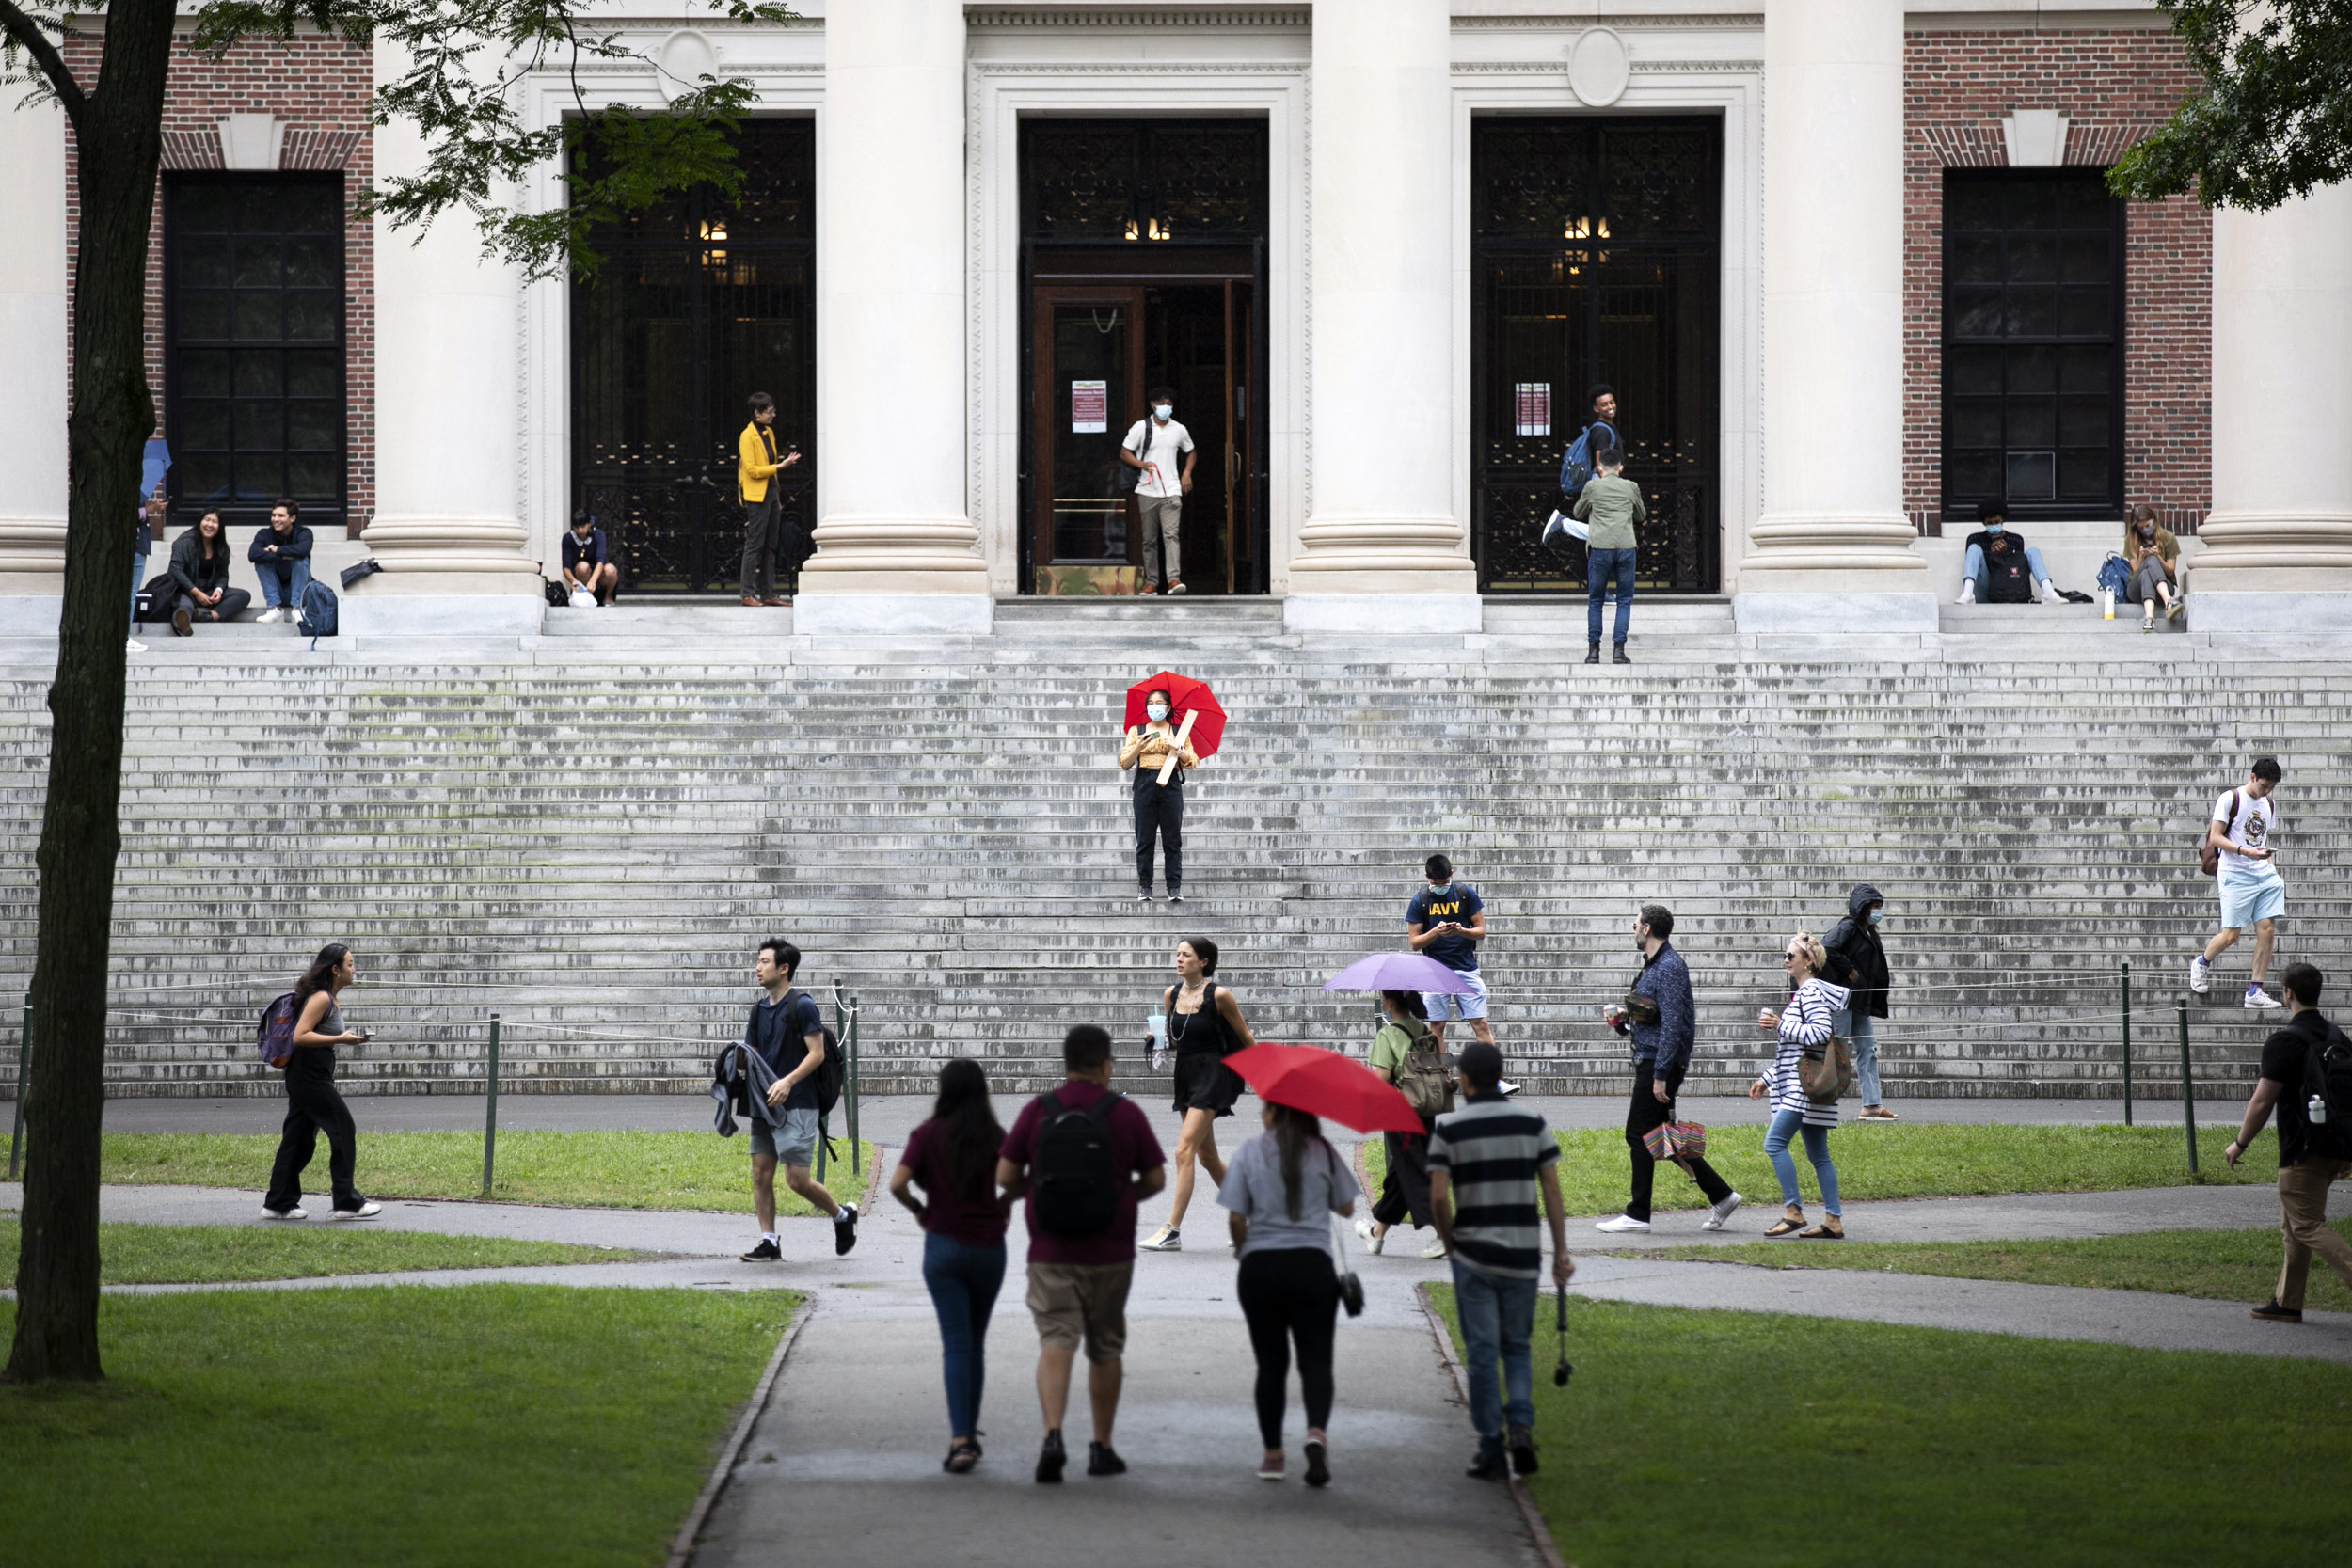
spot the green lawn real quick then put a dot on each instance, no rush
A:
(1905, 1159)
(1754, 1441)
(414, 1425)
(2227, 1265)
(209, 1254)
(620, 1171)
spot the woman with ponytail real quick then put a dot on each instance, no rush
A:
(312, 1104)
(952, 1156)
(1282, 1189)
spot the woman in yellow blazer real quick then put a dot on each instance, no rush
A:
(755, 463)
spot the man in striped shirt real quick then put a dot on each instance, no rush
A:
(1486, 1163)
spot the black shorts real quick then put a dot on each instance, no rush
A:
(1204, 1082)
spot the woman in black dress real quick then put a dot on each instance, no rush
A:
(1204, 1026)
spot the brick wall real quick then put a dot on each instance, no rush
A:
(2113, 86)
(319, 86)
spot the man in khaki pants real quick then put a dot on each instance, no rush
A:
(2309, 1157)
(1153, 446)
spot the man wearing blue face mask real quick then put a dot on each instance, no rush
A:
(1857, 960)
(1999, 567)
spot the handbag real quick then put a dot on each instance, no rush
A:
(1675, 1140)
(1826, 1074)
(1351, 1288)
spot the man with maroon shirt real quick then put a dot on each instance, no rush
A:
(1079, 1273)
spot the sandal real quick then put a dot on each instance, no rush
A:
(1788, 1225)
(1823, 1232)
(962, 1455)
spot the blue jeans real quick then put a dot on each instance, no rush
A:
(1861, 1028)
(138, 575)
(1496, 1316)
(1786, 1125)
(1973, 567)
(1603, 566)
(282, 581)
(963, 1281)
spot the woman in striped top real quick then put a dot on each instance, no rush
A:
(1804, 1022)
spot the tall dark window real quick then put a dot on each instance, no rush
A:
(2033, 343)
(253, 344)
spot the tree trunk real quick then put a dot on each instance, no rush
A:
(118, 134)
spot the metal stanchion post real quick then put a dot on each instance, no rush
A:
(852, 1051)
(490, 1113)
(23, 1055)
(2127, 1042)
(2189, 1091)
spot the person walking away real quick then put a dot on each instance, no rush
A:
(1151, 447)
(787, 1028)
(756, 465)
(1507, 1157)
(149, 528)
(1663, 1021)
(1446, 921)
(587, 562)
(2153, 556)
(1408, 1054)
(1999, 567)
(1159, 807)
(200, 578)
(1081, 1157)
(312, 1104)
(1204, 1026)
(2300, 1063)
(1857, 960)
(1280, 1192)
(280, 555)
(1803, 1024)
(952, 1156)
(2253, 896)
(1612, 504)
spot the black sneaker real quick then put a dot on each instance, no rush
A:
(766, 1252)
(845, 1231)
(1102, 1460)
(1591, 653)
(1619, 657)
(1488, 1465)
(1050, 1459)
(1523, 1450)
(1318, 1464)
(2271, 1312)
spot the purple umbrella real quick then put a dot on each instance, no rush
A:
(1401, 971)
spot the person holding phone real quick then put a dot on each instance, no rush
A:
(756, 465)
(1446, 921)
(312, 1104)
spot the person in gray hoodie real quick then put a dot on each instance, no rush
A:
(1612, 503)
(1857, 960)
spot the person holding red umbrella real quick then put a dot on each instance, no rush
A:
(1159, 789)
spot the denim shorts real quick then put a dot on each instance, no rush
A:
(794, 1143)
(1444, 1005)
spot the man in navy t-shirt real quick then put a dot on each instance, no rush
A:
(1446, 921)
(788, 1032)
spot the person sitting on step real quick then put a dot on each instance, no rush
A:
(2153, 556)
(1999, 567)
(200, 578)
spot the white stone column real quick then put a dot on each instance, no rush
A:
(1382, 550)
(1833, 550)
(2278, 545)
(895, 548)
(33, 366)
(448, 427)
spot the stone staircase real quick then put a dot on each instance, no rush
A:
(588, 832)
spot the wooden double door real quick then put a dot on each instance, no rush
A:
(1097, 348)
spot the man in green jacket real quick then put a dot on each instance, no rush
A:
(1612, 504)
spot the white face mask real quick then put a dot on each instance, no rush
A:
(1158, 711)
(1162, 410)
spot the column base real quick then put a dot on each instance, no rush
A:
(32, 603)
(822, 614)
(1387, 614)
(2221, 609)
(1814, 614)
(366, 613)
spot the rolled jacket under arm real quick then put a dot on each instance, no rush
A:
(1148, 747)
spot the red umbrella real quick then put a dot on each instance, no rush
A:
(1185, 695)
(1324, 1083)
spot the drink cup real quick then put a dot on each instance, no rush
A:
(1763, 1018)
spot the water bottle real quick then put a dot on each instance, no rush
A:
(2106, 604)
(1157, 1023)
(2317, 1111)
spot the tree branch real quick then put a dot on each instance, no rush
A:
(27, 34)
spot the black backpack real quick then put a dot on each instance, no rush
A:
(2327, 1073)
(1073, 1171)
(831, 1075)
(2010, 575)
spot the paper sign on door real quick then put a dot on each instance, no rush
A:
(1090, 408)
(1535, 408)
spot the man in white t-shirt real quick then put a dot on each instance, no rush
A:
(2252, 896)
(1153, 446)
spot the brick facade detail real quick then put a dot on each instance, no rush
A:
(2114, 86)
(319, 86)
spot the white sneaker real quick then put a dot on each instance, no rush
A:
(2199, 974)
(1506, 1085)
(1165, 1240)
(1721, 1213)
(2050, 594)
(2257, 997)
(296, 1212)
(1622, 1224)
(133, 645)
(1374, 1239)
(1434, 1250)
(1968, 591)
(365, 1212)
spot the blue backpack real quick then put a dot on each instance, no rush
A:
(1576, 468)
(276, 1032)
(319, 610)
(2115, 576)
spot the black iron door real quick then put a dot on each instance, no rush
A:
(1596, 260)
(700, 303)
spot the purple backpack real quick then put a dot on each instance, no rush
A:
(275, 1035)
